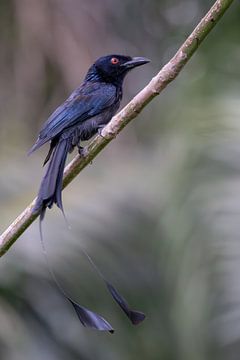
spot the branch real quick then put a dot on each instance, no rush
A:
(167, 74)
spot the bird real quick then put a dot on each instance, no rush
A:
(86, 111)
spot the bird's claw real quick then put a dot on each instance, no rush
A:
(83, 151)
(100, 131)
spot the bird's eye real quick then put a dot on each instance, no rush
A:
(114, 61)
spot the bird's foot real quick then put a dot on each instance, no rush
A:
(83, 151)
(100, 131)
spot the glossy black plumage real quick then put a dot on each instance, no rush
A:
(89, 108)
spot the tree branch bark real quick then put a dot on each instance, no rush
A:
(167, 74)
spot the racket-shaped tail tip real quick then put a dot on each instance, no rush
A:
(136, 317)
(89, 319)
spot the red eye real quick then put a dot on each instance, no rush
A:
(114, 61)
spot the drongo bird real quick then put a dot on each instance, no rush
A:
(87, 110)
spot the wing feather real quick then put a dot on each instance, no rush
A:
(89, 100)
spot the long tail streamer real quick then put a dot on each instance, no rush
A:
(87, 317)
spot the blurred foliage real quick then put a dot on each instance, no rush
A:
(158, 210)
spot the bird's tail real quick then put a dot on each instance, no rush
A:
(50, 191)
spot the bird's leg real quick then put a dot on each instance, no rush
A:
(82, 150)
(99, 130)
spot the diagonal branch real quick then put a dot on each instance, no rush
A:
(167, 74)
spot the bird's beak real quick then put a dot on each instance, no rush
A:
(136, 61)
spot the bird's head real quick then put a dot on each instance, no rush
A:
(113, 68)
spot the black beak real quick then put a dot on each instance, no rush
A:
(136, 61)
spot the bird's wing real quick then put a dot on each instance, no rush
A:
(87, 101)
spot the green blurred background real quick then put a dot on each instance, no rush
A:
(158, 210)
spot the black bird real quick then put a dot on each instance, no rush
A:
(88, 109)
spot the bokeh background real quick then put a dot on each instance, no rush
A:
(158, 210)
